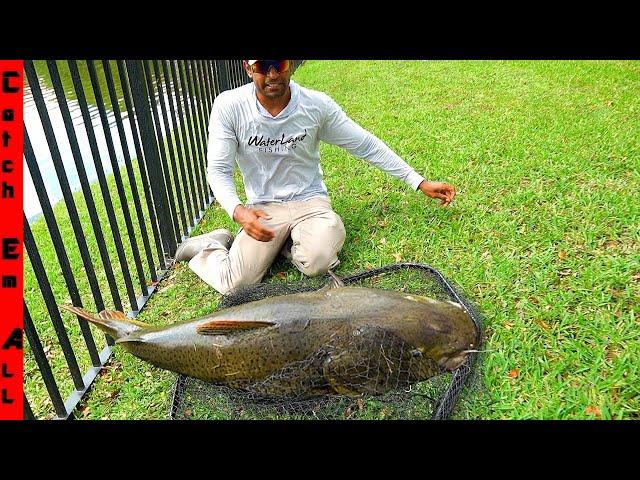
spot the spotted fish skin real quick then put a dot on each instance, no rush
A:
(342, 340)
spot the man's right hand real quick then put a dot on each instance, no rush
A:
(250, 222)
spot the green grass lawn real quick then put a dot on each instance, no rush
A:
(543, 235)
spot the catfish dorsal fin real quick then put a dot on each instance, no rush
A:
(227, 327)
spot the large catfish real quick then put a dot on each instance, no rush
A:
(339, 340)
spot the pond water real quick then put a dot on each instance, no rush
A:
(33, 125)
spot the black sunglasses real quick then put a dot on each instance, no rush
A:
(263, 66)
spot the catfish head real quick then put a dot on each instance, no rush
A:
(444, 332)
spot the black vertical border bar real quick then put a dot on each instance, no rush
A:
(151, 156)
(11, 239)
(133, 122)
(104, 188)
(124, 205)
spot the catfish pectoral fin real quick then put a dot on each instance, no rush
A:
(130, 340)
(331, 368)
(226, 327)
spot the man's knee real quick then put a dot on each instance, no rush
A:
(316, 264)
(223, 276)
(227, 284)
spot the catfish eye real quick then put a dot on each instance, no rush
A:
(415, 353)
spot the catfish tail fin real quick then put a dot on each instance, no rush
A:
(115, 324)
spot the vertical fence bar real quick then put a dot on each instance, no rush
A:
(28, 413)
(201, 115)
(151, 156)
(124, 82)
(201, 100)
(223, 75)
(214, 79)
(179, 187)
(216, 76)
(118, 178)
(235, 73)
(234, 69)
(165, 176)
(43, 364)
(188, 145)
(204, 94)
(207, 90)
(113, 222)
(58, 244)
(236, 79)
(52, 308)
(189, 191)
(210, 94)
(127, 161)
(196, 127)
(230, 73)
(88, 197)
(211, 85)
(194, 150)
(199, 82)
(240, 77)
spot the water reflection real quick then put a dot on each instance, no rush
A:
(41, 148)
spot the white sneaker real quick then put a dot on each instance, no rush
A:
(194, 245)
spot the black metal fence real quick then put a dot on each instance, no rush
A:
(140, 129)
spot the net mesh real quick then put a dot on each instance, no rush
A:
(446, 395)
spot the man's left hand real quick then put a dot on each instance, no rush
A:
(445, 192)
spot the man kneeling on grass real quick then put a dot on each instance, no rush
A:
(273, 128)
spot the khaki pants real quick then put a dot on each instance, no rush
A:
(317, 235)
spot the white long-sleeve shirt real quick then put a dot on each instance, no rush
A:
(279, 157)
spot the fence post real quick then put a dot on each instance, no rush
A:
(223, 75)
(151, 155)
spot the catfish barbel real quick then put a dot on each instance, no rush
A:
(340, 340)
